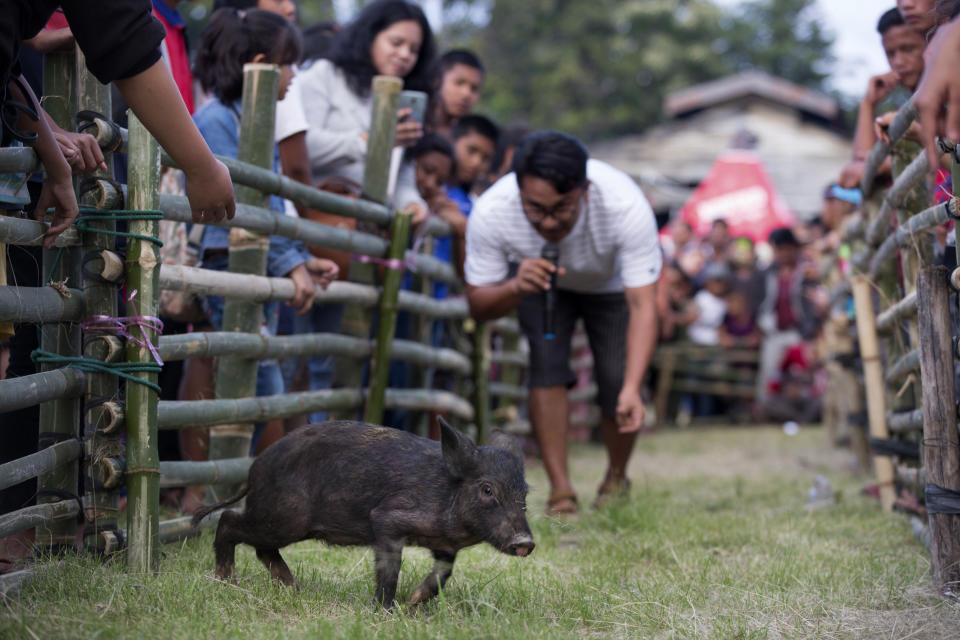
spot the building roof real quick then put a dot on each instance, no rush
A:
(751, 83)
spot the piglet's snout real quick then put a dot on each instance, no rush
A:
(521, 546)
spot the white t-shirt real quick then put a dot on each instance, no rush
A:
(290, 118)
(705, 329)
(612, 245)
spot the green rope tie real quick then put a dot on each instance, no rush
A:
(85, 218)
(89, 365)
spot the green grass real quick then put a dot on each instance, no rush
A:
(714, 542)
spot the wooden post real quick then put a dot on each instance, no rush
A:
(940, 438)
(873, 379)
(481, 380)
(237, 377)
(60, 417)
(387, 317)
(100, 298)
(143, 285)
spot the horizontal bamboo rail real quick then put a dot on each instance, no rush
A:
(904, 235)
(226, 470)
(261, 289)
(506, 325)
(905, 421)
(23, 305)
(19, 160)
(915, 172)
(514, 358)
(37, 515)
(905, 308)
(903, 367)
(22, 231)
(515, 392)
(248, 345)
(38, 463)
(901, 122)
(266, 181)
(27, 391)
(205, 413)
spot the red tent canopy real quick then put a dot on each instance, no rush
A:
(738, 190)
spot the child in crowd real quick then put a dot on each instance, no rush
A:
(710, 304)
(434, 161)
(457, 82)
(474, 143)
(230, 40)
(739, 328)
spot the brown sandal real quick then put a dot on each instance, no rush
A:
(611, 490)
(562, 503)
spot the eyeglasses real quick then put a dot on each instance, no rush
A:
(563, 211)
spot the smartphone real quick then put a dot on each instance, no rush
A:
(414, 100)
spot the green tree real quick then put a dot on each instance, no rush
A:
(602, 67)
(781, 37)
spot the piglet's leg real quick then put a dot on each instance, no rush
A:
(436, 579)
(279, 570)
(388, 555)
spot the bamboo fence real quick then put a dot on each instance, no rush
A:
(905, 313)
(86, 412)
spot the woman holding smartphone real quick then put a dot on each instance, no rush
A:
(388, 37)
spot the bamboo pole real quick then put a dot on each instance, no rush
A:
(212, 344)
(25, 305)
(387, 319)
(60, 417)
(30, 233)
(100, 298)
(179, 415)
(901, 122)
(26, 391)
(39, 463)
(873, 378)
(481, 381)
(383, 130)
(941, 450)
(266, 181)
(43, 515)
(201, 413)
(181, 474)
(261, 289)
(19, 160)
(896, 313)
(143, 488)
(237, 377)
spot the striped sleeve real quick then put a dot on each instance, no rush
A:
(640, 255)
(486, 261)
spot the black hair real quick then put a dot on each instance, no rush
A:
(475, 123)
(554, 156)
(233, 38)
(234, 4)
(947, 8)
(351, 47)
(318, 40)
(891, 18)
(783, 237)
(431, 142)
(509, 138)
(452, 58)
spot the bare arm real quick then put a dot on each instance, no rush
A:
(489, 302)
(641, 341)
(155, 99)
(878, 88)
(295, 162)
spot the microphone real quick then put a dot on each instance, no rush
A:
(551, 252)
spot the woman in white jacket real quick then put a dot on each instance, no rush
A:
(389, 37)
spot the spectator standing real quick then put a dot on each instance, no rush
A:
(609, 263)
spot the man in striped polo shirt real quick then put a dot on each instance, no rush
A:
(609, 262)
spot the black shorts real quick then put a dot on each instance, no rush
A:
(605, 317)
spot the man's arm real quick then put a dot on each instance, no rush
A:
(878, 88)
(641, 341)
(489, 302)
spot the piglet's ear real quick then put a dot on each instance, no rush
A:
(459, 453)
